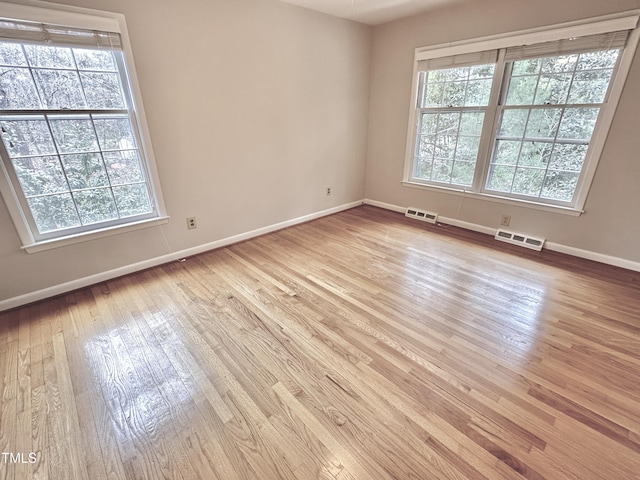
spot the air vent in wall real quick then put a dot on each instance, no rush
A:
(520, 239)
(421, 215)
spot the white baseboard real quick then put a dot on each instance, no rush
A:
(386, 206)
(596, 257)
(152, 262)
(554, 247)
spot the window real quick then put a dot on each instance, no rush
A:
(71, 144)
(524, 120)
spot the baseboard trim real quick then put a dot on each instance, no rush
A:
(596, 257)
(62, 288)
(551, 246)
(386, 206)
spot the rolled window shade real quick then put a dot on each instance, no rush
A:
(30, 32)
(462, 60)
(588, 43)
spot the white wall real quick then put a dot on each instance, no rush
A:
(254, 107)
(611, 224)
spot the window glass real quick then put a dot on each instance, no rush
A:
(551, 108)
(450, 123)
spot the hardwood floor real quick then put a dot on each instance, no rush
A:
(359, 346)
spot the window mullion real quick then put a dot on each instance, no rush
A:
(490, 126)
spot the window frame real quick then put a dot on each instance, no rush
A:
(83, 18)
(610, 23)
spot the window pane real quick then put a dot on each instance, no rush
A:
(454, 94)
(132, 199)
(60, 89)
(553, 89)
(114, 133)
(478, 92)
(463, 173)
(54, 212)
(426, 146)
(526, 67)
(521, 90)
(590, 86)
(123, 167)
(28, 137)
(11, 54)
(75, 135)
(433, 95)
(85, 170)
(501, 178)
(102, 90)
(428, 122)
(562, 63)
(471, 123)
(17, 90)
(578, 123)
(95, 205)
(560, 185)
(94, 60)
(507, 152)
(458, 87)
(442, 170)
(528, 181)
(543, 122)
(49, 57)
(596, 60)
(467, 148)
(423, 168)
(435, 76)
(448, 123)
(568, 157)
(513, 123)
(482, 71)
(446, 146)
(40, 175)
(535, 154)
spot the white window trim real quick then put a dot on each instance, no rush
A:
(609, 23)
(85, 18)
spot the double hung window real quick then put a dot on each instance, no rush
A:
(524, 122)
(72, 151)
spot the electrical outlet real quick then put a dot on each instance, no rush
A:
(505, 221)
(191, 223)
(328, 191)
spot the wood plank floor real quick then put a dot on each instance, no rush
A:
(359, 346)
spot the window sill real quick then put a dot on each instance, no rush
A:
(93, 235)
(574, 212)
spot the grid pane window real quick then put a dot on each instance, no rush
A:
(68, 137)
(450, 123)
(545, 127)
(520, 121)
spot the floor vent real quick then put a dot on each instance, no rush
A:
(421, 215)
(520, 239)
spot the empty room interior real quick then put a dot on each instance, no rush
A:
(303, 239)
